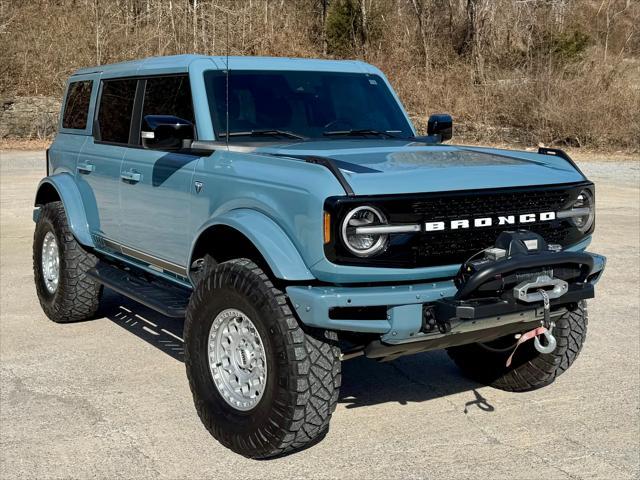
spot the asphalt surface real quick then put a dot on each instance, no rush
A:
(109, 397)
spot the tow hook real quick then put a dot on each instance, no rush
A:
(548, 325)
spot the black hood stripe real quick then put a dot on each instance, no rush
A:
(328, 163)
(354, 167)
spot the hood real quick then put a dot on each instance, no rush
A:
(375, 167)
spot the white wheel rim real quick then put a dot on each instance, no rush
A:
(50, 262)
(237, 360)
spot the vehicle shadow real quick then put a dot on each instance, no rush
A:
(415, 378)
(162, 332)
(365, 382)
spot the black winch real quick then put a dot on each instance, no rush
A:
(510, 276)
(519, 263)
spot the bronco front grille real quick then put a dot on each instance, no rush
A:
(487, 204)
(425, 249)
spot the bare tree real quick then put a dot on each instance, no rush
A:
(419, 11)
(611, 14)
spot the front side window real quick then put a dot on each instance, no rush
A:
(116, 109)
(306, 104)
(168, 96)
(76, 108)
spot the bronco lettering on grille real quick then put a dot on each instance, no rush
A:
(464, 223)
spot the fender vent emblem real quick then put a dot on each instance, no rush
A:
(199, 186)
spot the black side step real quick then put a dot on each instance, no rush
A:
(162, 297)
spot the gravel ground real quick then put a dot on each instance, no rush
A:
(109, 398)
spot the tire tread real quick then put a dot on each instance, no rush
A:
(78, 296)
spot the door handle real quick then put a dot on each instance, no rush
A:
(86, 167)
(131, 176)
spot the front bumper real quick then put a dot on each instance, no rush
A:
(404, 307)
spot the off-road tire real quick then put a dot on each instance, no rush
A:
(304, 371)
(76, 297)
(529, 369)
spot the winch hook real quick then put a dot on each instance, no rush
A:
(549, 347)
(548, 324)
(544, 329)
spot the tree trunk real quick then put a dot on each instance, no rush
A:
(418, 8)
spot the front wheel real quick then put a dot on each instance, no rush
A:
(60, 266)
(263, 385)
(530, 370)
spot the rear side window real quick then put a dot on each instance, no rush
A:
(168, 96)
(116, 109)
(76, 108)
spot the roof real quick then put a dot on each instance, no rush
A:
(180, 63)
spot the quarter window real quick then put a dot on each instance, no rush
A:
(76, 108)
(116, 108)
(168, 96)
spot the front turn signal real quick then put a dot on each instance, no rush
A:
(327, 227)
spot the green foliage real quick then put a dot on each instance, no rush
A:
(569, 45)
(344, 31)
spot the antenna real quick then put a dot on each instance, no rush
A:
(227, 81)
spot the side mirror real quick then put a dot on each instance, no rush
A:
(165, 132)
(440, 124)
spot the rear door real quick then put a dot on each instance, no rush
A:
(156, 200)
(73, 127)
(100, 161)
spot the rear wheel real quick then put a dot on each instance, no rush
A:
(60, 265)
(529, 370)
(262, 384)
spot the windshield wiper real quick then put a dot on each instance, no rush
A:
(260, 133)
(358, 132)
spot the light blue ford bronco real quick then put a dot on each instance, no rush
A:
(288, 210)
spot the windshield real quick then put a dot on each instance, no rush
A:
(268, 104)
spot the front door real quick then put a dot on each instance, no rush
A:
(156, 185)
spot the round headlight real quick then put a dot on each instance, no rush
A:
(358, 231)
(584, 204)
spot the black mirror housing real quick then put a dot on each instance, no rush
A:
(440, 124)
(165, 132)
